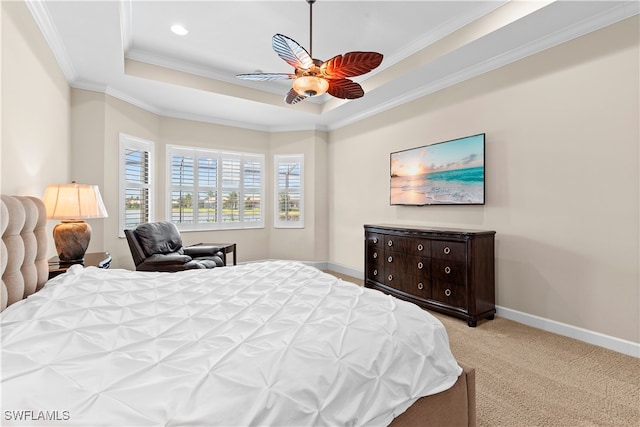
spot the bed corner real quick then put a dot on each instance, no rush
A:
(453, 407)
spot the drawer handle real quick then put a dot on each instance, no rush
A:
(420, 247)
(420, 286)
(447, 269)
(390, 243)
(390, 277)
(420, 265)
(446, 250)
(375, 255)
(447, 292)
(375, 272)
(390, 259)
(375, 240)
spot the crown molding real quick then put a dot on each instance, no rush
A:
(42, 17)
(166, 62)
(126, 25)
(90, 86)
(163, 112)
(610, 17)
(436, 34)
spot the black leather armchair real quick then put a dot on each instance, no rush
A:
(157, 246)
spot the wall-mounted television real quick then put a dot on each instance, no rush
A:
(445, 173)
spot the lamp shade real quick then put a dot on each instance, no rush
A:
(74, 201)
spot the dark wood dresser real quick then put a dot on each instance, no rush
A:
(446, 270)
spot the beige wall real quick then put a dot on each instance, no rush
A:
(87, 136)
(110, 117)
(96, 122)
(311, 243)
(35, 109)
(562, 178)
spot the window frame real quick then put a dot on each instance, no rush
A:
(277, 160)
(134, 143)
(221, 156)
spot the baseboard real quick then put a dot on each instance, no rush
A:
(320, 265)
(612, 343)
(343, 269)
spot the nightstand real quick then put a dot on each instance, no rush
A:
(95, 259)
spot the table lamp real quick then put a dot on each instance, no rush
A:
(73, 203)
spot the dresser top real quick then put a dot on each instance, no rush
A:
(426, 229)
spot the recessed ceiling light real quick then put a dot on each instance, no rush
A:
(179, 30)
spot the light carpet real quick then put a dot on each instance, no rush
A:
(529, 377)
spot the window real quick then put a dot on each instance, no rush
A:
(289, 185)
(136, 190)
(210, 189)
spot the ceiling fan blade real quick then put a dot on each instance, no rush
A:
(265, 76)
(345, 89)
(291, 52)
(293, 97)
(351, 64)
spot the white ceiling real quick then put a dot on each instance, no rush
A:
(126, 49)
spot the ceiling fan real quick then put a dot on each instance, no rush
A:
(314, 77)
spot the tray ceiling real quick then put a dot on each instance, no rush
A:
(126, 49)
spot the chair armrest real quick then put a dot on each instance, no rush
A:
(165, 259)
(200, 250)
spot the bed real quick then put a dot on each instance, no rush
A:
(266, 343)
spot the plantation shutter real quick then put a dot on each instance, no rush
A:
(135, 182)
(289, 193)
(211, 189)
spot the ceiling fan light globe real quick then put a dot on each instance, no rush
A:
(310, 86)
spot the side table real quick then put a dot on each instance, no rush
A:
(227, 248)
(95, 259)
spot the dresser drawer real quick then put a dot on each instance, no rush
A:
(375, 241)
(399, 263)
(375, 272)
(418, 286)
(408, 245)
(448, 271)
(375, 255)
(398, 244)
(420, 247)
(453, 295)
(454, 251)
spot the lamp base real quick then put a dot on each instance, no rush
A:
(72, 240)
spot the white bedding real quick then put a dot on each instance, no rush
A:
(274, 343)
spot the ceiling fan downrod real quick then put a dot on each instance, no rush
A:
(311, 2)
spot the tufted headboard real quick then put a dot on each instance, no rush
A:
(23, 260)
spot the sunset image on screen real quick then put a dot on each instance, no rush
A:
(450, 172)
